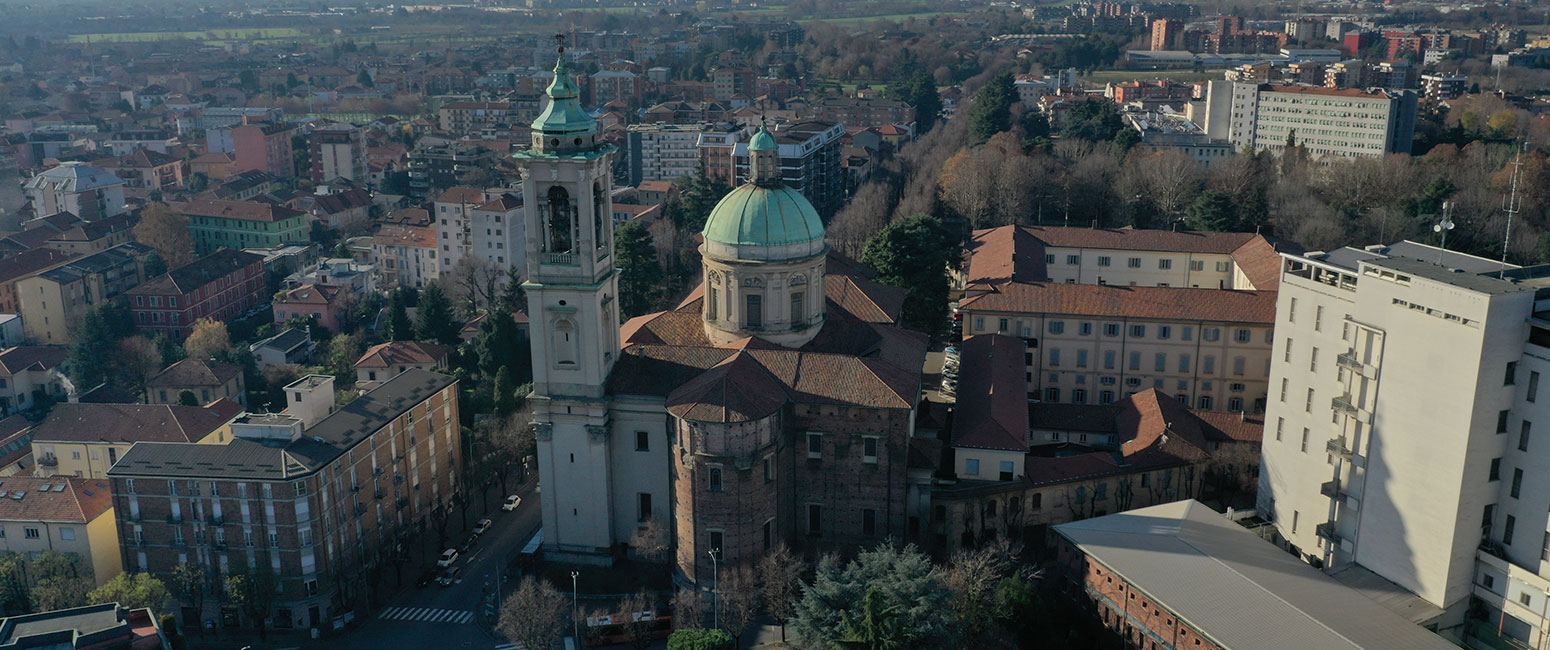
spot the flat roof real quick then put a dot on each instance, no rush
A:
(1236, 589)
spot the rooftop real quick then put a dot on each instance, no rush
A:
(125, 423)
(194, 372)
(53, 498)
(189, 277)
(1109, 301)
(1238, 590)
(325, 441)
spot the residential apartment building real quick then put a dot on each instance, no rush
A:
(728, 82)
(853, 111)
(487, 226)
(324, 499)
(23, 265)
(206, 380)
(1443, 87)
(212, 117)
(217, 224)
(385, 361)
(84, 440)
(1340, 122)
(1180, 575)
(54, 302)
(144, 169)
(718, 156)
(405, 256)
(338, 150)
(77, 188)
(222, 286)
(73, 516)
(30, 376)
(1405, 442)
(810, 162)
(436, 168)
(264, 147)
(468, 116)
(666, 152)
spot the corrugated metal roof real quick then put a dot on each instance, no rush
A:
(1237, 589)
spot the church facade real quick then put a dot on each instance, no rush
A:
(776, 404)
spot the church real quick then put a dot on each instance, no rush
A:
(775, 404)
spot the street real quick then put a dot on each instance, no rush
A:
(453, 617)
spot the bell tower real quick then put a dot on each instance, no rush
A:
(572, 301)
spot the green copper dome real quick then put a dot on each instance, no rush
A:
(763, 141)
(564, 115)
(756, 215)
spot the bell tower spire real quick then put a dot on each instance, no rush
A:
(572, 301)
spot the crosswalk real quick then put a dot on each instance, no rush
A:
(508, 646)
(427, 615)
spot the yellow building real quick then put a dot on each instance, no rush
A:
(84, 440)
(69, 515)
(56, 300)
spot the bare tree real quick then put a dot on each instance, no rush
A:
(475, 283)
(740, 601)
(780, 572)
(688, 610)
(973, 576)
(650, 540)
(534, 615)
(640, 613)
(167, 232)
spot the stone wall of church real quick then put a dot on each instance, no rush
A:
(725, 493)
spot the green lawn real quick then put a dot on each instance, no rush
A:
(246, 33)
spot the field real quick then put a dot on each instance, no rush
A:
(249, 33)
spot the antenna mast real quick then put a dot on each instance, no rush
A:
(1512, 205)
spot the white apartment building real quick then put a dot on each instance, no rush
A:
(82, 190)
(1340, 122)
(1400, 437)
(479, 223)
(405, 256)
(664, 152)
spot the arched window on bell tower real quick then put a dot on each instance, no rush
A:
(598, 209)
(562, 236)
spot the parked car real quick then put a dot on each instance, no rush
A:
(427, 578)
(511, 503)
(450, 577)
(468, 544)
(447, 558)
(482, 525)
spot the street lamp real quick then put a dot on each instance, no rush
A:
(575, 627)
(715, 586)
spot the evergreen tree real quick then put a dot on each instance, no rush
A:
(886, 598)
(96, 344)
(513, 298)
(914, 253)
(1212, 211)
(505, 393)
(920, 91)
(640, 275)
(992, 110)
(498, 346)
(399, 327)
(1094, 119)
(434, 317)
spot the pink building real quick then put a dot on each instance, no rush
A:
(323, 302)
(265, 147)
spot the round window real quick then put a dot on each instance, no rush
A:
(554, 142)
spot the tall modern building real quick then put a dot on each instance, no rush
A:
(338, 151)
(1400, 439)
(1340, 122)
(776, 405)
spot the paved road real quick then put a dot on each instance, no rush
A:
(452, 618)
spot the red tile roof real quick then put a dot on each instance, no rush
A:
(462, 194)
(395, 235)
(195, 372)
(992, 409)
(1157, 303)
(402, 352)
(80, 499)
(310, 294)
(242, 210)
(738, 389)
(1016, 253)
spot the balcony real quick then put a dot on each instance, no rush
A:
(219, 546)
(174, 519)
(360, 509)
(376, 471)
(1349, 361)
(560, 259)
(1337, 447)
(403, 502)
(377, 495)
(217, 521)
(1326, 532)
(398, 479)
(48, 461)
(1343, 404)
(1332, 490)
